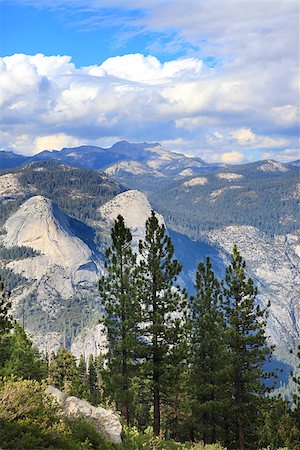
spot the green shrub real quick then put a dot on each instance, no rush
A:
(134, 440)
(30, 421)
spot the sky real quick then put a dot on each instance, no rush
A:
(217, 79)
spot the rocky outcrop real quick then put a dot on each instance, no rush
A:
(63, 271)
(90, 341)
(134, 206)
(105, 421)
(274, 263)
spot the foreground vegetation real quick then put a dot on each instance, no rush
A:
(184, 373)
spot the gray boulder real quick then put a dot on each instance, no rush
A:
(106, 422)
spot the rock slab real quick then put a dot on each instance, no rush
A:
(106, 422)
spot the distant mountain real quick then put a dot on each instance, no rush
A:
(152, 157)
(294, 163)
(9, 160)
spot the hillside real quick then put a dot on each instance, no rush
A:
(253, 205)
(265, 195)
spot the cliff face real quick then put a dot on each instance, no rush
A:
(41, 225)
(274, 263)
(58, 299)
(62, 269)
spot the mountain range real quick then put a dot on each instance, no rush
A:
(57, 209)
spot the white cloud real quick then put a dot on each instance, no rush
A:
(148, 69)
(55, 141)
(288, 154)
(48, 102)
(231, 157)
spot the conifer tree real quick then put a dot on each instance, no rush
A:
(94, 393)
(24, 360)
(247, 342)
(5, 323)
(209, 358)
(119, 291)
(296, 396)
(82, 378)
(5, 305)
(163, 308)
(63, 372)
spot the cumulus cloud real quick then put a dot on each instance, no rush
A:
(286, 155)
(232, 157)
(141, 69)
(47, 102)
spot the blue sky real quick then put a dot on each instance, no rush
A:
(217, 79)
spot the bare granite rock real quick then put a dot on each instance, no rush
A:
(105, 421)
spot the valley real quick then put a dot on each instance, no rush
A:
(62, 207)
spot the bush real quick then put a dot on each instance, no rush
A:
(30, 421)
(133, 440)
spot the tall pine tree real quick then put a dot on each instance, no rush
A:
(248, 347)
(209, 358)
(163, 310)
(5, 323)
(119, 290)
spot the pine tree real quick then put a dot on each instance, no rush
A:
(82, 378)
(24, 360)
(209, 356)
(247, 342)
(119, 291)
(5, 305)
(63, 372)
(163, 308)
(6, 323)
(296, 396)
(93, 387)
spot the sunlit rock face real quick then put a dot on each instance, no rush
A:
(274, 263)
(62, 269)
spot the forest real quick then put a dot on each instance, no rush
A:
(267, 202)
(183, 371)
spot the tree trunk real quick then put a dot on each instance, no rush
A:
(241, 432)
(156, 368)
(156, 404)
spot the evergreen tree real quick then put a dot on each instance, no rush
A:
(24, 360)
(209, 357)
(247, 343)
(119, 291)
(82, 378)
(63, 372)
(163, 309)
(5, 305)
(94, 393)
(296, 396)
(5, 323)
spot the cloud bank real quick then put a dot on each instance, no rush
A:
(245, 107)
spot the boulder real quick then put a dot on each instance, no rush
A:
(105, 421)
